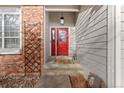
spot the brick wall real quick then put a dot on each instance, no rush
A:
(15, 64)
(33, 37)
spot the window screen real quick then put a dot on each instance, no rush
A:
(12, 43)
(11, 25)
(9, 28)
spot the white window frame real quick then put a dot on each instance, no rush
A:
(4, 50)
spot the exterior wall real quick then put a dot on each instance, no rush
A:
(72, 42)
(91, 40)
(15, 64)
(11, 64)
(55, 16)
(47, 37)
(52, 19)
(111, 47)
(69, 18)
(122, 45)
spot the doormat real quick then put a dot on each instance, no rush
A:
(62, 61)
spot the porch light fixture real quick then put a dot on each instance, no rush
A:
(62, 20)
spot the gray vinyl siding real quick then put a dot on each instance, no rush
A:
(91, 39)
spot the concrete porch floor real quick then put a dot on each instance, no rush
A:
(60, 60)
(60, 76)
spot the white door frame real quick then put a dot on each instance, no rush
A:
(111, 46)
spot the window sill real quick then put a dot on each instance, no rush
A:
(10, 51)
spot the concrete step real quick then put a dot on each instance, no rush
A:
(54, 81)
(62, 69)
(62, 66)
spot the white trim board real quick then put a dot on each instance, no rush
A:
(111, 47)
(62, 10)
(118, 46)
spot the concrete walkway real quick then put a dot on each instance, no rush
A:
(62, 69)
(57, 75)
(54, 81)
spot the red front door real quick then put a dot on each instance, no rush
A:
(59, 41)
(62, 41)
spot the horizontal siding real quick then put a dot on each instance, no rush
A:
(91, 40)
(122, 54)
(122, 8)
(122, 41)
(122, 26)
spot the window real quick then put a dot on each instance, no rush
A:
(0, 31)
(9, 30)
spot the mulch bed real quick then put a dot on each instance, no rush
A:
(18, 82)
